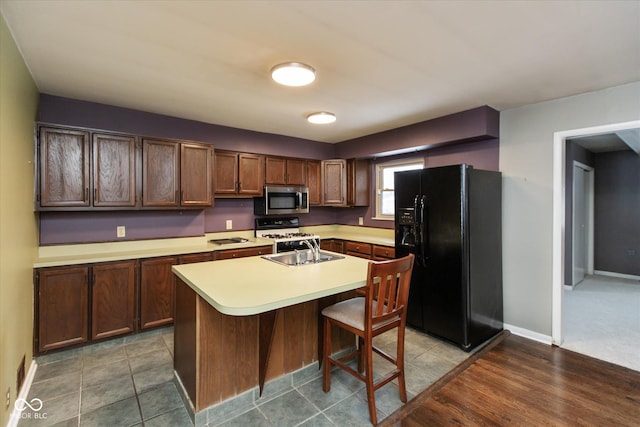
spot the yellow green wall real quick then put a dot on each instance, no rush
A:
(18, 226)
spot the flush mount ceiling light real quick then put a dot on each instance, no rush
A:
(321, 118)
(293, 74)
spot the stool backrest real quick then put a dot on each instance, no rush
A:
(387, 290)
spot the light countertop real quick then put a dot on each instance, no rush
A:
(61, 255)
(253, 285)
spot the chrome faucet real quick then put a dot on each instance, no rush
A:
(315, 248)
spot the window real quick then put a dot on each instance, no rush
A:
(384, 185)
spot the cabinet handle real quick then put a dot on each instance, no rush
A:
(86, 194)
(95, 194)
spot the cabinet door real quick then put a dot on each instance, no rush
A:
(250, 174)
(114, 170)
(196, 175)
(226, 172)
(358, 172)
(157, 292)
(314, 182)
(334, 182)
(296, 172)
(275, 170)
(160, 173)
(64, 168)
(62, 300)
(113, 299)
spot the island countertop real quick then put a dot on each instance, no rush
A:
(253, 285)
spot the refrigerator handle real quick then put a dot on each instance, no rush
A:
(423, 224)
(416, 225)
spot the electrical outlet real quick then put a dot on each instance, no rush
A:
(229, 224)
(8, 398)
(121, 231)
(360, 220)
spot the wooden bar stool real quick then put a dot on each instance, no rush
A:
(387, 282)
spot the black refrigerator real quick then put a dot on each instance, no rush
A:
(450, 218)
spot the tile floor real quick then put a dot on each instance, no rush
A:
(129, 382)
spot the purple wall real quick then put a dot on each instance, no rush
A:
(91, 227)
(480, 154)
(64, 111)
(616, 212)
(477, 128)
(472, 125)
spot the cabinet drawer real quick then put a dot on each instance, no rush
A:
(383, 252)
(245, 252)
(360, 248)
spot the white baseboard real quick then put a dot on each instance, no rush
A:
(525, 333)
(618, 275)
(24, 392)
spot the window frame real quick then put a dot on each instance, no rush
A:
(380, 168)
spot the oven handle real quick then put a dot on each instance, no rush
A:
(299, 194)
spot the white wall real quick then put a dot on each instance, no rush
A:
(526, 162)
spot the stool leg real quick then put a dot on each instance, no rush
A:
(361, 354)
(371, 398)
(326, 373)
(400, 365)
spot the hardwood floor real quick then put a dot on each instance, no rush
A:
(516, 381)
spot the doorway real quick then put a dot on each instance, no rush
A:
(582, 222)
(559, 206)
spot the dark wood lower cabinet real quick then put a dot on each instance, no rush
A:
(157, 292)
(157, 288)
(113, 299)
(62, 307)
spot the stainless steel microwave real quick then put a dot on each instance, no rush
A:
(282, 200)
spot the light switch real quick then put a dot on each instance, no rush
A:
(121, 231)
(229, 224)
(360, 220)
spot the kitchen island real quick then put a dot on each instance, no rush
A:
(241, 322)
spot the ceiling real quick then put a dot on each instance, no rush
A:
(618, 141)
(380, 64)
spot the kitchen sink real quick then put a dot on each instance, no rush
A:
(300, 257)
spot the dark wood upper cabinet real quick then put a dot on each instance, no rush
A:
(62, 307)
(275, 170)
(238, 174)
(334, 182)
(314, 182)
(160, 173)
(196, 175)
(250, 174)
(87, 169)
(358, 178)
(226, 172)
(285, 171)
(113, 299)
(114, 170)
(64, 164)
